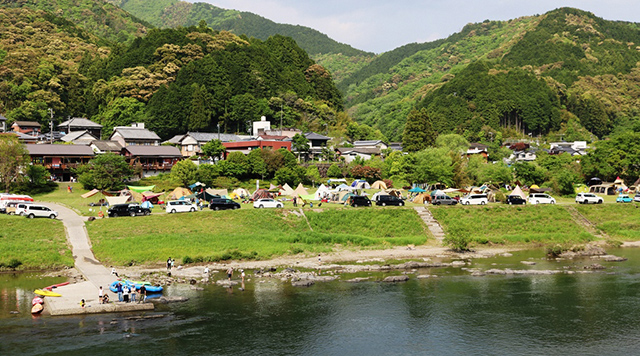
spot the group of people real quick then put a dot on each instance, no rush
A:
(170, 263)
(127, 293)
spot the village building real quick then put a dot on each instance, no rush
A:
(27, 127)
(247, 146)
(83, 137)
(134, 135)
(191, 143)
(81, 124)
(101, 147)
(152, 159)
(60, 159)
(3, 123)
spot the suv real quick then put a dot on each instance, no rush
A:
(359, 200)
(541, 198)
(222, 204)
(39, 211)
(180, 206)
(516, 200)
(586, 198)
(385, 200)
(443, 200)
(475, 199)
(127, 209)
(21, 208)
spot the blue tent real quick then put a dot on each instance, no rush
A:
(417, 190)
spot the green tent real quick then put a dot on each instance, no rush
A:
(141, 189)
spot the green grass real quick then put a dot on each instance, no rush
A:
(249, 234)
(72, 200)
(511, 224)
(36, 243)
(620, 221)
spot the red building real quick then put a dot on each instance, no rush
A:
(247, 146)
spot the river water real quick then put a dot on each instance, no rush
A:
(453, 314)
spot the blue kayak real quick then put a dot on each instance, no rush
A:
(149, 288)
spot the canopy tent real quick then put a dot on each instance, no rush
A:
(421, 198)
(437, 192)
(342, 187)
(219, 192)
(118, 200)
(300, 191)
(451, 190)
(140, 189)
(394, 192)
(322, 192)
(417, 190)
(178, 193)
(286, 190)
(273, 187)
(336, 180)
(307, 197)
(360, 184)
(151, 197)
(90, 193)
(261, 194)
(379, 185)
(518, 192)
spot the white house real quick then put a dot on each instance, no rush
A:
(259, 127)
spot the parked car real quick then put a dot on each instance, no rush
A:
(21, 208)
(516, 200)
(475, 199)
(127, 210)
(384, 200)
(636, 198)
(40, 211)
(180, 206)
(222, 204)
(267, 203)
(443, 200)
(541, 198)
(623, 198)
(586, 198)
(359, 200)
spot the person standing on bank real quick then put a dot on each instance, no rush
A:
(101, 295)
(169, 265)
(230, 273)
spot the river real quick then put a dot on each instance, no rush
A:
(453, 314)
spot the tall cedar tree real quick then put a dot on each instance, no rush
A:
(418, 132)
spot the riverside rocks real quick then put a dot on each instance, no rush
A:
(395, 279)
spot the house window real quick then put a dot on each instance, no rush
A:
(189, 148)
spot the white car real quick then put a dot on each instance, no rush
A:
(180, 206)
(21, 208)
(267, 203)
(587, 198)
(475, 199)
(541, 198)
(39, 211)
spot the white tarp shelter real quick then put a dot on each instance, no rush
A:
(118, 200)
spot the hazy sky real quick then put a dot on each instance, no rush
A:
(382, 25)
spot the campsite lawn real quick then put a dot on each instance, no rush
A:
(249, 233)
(72, 200)
(619, 221)
(511, 224)
(35, 243)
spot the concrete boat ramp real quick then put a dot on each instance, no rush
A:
(94, 272)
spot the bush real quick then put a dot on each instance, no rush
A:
(187, 260)
(225, 182)
(14, 263)
(458, 241)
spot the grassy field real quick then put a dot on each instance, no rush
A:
(36, 243)
(72, 200)
(249, 234)
(511, 224)
(619, 221)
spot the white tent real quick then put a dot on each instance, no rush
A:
(379, 185)
(361, 184)
(241, 192)
(286, 190)
(220, 192)
(118, 200)
(322, 192)
(519, 192)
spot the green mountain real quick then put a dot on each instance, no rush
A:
(561, 49)
(95, 16)
(174, 13)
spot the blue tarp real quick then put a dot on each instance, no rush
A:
(417, 190)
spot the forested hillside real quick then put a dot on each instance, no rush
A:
(174, 13)
(579, 58)
(95, 16)
(189, 78)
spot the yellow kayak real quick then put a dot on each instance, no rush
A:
(47, 293)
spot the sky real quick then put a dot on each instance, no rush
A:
(382, 25)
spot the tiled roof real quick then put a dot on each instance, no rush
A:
(175, 140)
(74, 135)
(79, 122)
(27, 123)
(59, 150)
(208, 136)
(107, 146)
(315, 136)
(2, 118)
(136, 133)
(367, 143)
(368, 151)
(154, 151)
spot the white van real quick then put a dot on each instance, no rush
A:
(180, 206)
(39, 211)
(475, 199)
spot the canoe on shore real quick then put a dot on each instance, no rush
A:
(149, 288)
(37, 309)
(47, 293)
(55, 286)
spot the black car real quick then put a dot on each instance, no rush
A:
(359, 200)
(222, 204)
(516, 200)
(127, 210)
(384, 200)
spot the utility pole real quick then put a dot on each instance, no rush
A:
(51, 126)
(218, 131)
(281, 119)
